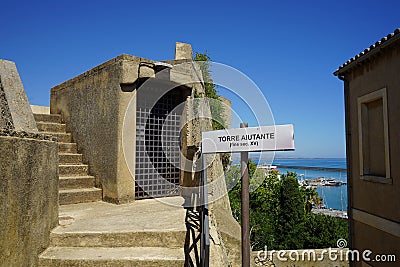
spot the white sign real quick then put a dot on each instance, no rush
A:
(252, 139)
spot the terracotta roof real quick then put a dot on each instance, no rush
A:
(368, 52)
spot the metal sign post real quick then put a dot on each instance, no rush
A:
(243, 140)
(244, 159)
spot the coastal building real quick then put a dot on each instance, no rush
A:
(372, 97)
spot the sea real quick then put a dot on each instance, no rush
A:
(333, 197)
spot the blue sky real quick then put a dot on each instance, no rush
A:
(288, 48)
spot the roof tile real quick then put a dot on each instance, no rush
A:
(368, 51)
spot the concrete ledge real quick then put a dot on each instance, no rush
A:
(36, 136)
(123, 257)
(95, 71)
(377, 222)
(40, 109)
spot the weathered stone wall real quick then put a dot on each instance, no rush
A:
(225, 233)
(183, 51)
(28, 176)
(15, 111)
(5, 114)
(28, 198)
(228, 228)
(93, 106)
(227, 112)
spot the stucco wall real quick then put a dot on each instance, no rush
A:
(378, 242)
(28, 198)
(381, 72)
(374, 200)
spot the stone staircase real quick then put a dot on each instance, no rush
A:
(75, 184)
(145, 233)
(94, 233)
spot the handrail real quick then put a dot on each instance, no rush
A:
(197, 224)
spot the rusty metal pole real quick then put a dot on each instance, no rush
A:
(244, 158)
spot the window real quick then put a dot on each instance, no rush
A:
(374, 137)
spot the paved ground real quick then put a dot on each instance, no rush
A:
(145, 233)
(163, 214)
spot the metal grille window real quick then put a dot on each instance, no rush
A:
(157, 147)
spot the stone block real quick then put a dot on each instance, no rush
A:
(183, 51)
(16, 113)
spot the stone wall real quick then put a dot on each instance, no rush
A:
(28, 198)
(5, 115)
(93, 106)
(28, 176)
(227, 112)
(225, 231)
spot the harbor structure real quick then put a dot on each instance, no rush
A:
(372, 115)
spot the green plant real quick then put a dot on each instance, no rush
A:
(217, 109)
(278, 217)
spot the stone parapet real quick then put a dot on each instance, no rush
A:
(16, 113)
(29, 176)
(28, 198)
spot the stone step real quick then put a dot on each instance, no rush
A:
(73, 170)
(76, 182)
(67, 147)
(53, 118)
(148, 238)
(122, 257)
(81, 195)
(70, 158)
(61, 137)
(51, 127)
